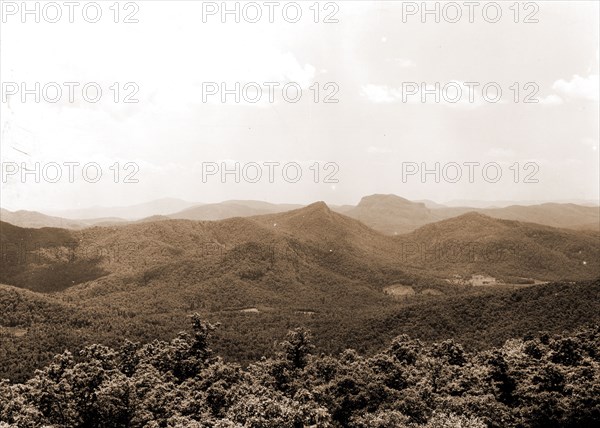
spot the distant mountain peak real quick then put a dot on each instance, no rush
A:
(379, 198)
(318, 206)
(475, 216)
(317, 211)
(391, 214)
(470, 217)
(471, 222)
(310, 218)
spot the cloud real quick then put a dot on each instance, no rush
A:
(379, 94)
(578, 87)
(551, 100)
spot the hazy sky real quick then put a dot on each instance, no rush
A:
(368, 58)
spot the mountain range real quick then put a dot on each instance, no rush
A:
(314, 238)
(388, 214)
(162, 206)
(393, 215)
(260, 275)
(34, 219)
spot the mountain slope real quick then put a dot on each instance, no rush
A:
(491, 317)
(313, 239)
(569, 216)
(393, 215)
(34, 219)
(134, 212)
(34, 327)
(477, 244)
(46, 259)
(229, 209)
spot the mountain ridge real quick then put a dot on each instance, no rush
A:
(387, 213)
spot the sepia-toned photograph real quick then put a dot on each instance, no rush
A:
(299, 214)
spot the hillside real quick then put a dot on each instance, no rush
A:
(490, 317)
(393, 215)
(477, 244)
(229, 209)
(162, 206)
(34, 327)
(569, 216)
(44, 259)
(300, 243)
(148, 277)
(556, 215)
(36, 220)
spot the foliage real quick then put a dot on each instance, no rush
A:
(537, 381)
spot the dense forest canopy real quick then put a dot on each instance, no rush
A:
(534, 381)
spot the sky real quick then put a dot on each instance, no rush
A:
(387, 132)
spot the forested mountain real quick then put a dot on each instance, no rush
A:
(162, 206)
(569, 216)
(34, 219)
(34, 327)
(311, 245)
(488, 318)
(260, 276)
(393, 215)
(229, 209)
(388, 214)
(44, 259)
(475, 243)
